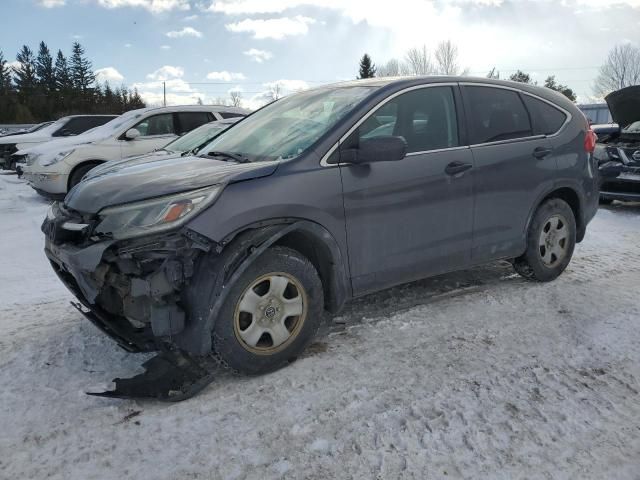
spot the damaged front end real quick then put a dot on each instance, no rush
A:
(133, 291)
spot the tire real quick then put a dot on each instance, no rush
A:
(236, 329)
(605, 201)
(79, 173)
(548, 253)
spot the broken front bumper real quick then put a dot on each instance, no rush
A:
(131, 289)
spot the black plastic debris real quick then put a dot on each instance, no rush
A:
(171, 376)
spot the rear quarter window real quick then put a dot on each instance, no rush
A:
(546, 119)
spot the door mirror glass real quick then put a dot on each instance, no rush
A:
(132, 134)
(387, 148)
(65, 132)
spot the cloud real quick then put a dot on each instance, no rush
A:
(226, 76)
(190, 18)
(282, 87)
(185, 32)
(52, 3)
(258, 55)
(165, 47)
(153, 6)
(15, 65)
(166, 72)
(127, 45)
(273, 27)
(109, 74)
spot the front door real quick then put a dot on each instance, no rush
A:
(155, 132)
(411, 218)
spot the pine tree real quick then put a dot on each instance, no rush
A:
(62, 73)
(25, 78)
(521, 77)
(6, 76)
(135, 100)
(45, 70)
(550, 82)
(367, 68)
(81, 70)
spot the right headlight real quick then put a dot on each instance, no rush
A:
(58, 157)
(155, 215)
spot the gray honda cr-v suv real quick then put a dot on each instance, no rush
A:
(320, 197)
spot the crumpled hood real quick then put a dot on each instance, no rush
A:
(624, 105)
(155, 178)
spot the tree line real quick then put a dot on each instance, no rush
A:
(37, 88)
(621, 68)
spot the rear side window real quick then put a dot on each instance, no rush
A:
(496, 114)
(230, 114)
(156, 125)
(546, 119)
(190, 120)
(425, 117)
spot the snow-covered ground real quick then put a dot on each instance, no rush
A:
(477, 374)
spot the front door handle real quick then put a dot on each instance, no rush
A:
(541, 152)
(457, 167)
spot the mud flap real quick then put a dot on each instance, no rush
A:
(171, 376)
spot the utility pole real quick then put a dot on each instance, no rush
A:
(164, 93)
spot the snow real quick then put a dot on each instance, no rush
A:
(477, 374)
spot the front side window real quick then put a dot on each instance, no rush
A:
(156, 125)
(289, 126)
(546, 119)
(496, 114)
(425, 117)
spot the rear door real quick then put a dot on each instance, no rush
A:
(410, 218)
(514, 165)
(155, 132)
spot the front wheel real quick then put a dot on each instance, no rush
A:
(550, 242)
(271, 313)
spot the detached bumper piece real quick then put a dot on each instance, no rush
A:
(171, 376)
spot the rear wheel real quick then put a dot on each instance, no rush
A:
(551, 240)
(271, 313)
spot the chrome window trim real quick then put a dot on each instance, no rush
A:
(568, 115)
(323, 161)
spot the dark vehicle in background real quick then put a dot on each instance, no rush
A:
(64, 127)
(315, 199)
(618, 153)
(604, 130)
(33, 128)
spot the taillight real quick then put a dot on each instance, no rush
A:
(590, 140)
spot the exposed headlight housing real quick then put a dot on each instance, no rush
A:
(58, 157)
(155, 215)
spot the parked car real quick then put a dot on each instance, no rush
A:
(604, 130)
(618, 153)
(33, 128)
(189, 143)
(55, 168)
(65, 127)
(317, 198)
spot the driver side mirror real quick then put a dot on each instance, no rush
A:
(65, 132)
(132, 134)
(386, 148)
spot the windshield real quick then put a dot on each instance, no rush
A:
(196, 138)
(288, 127)
(633, 128)
(116, 124)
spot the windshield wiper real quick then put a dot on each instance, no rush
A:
(229, 155)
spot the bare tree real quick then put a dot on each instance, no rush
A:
(275, 91)
(447, 59)
(493, 73)
(235, 97)
(389, 69)
(418, 61)
(220, 101)
(622, 69)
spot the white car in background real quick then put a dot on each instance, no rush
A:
(53, 169)
(64, 127)
(188, 144)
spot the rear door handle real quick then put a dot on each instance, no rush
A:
(457, 167)
(541, 152)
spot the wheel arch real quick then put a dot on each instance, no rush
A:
(572, 198)
(75, 168)
(240, 249)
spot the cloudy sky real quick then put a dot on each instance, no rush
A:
(205, 48)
